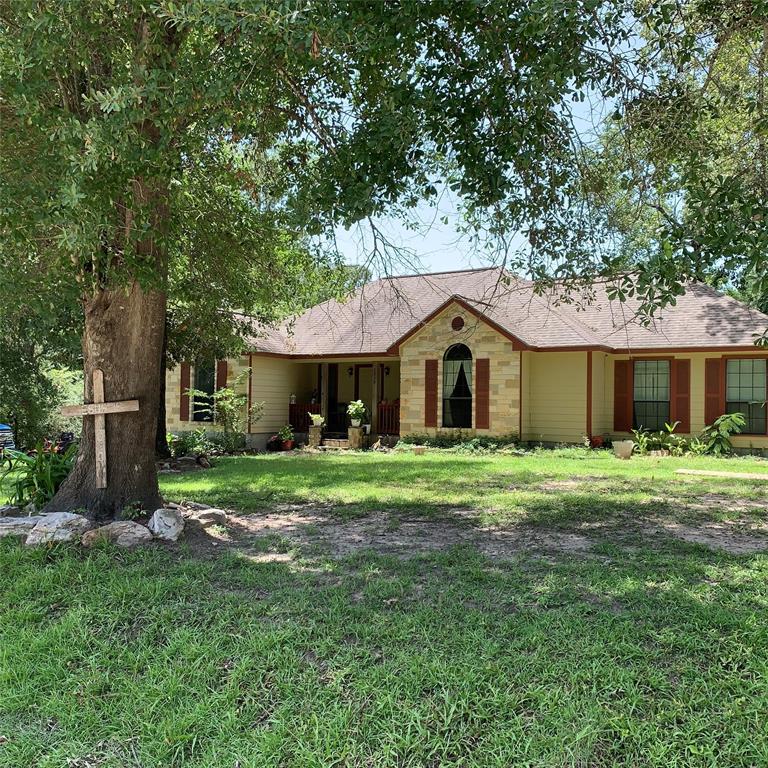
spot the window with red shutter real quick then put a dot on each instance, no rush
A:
(430, 393)
(622, 395)
(681, 395)
(184, 388)
(714, 390)
(483, 394)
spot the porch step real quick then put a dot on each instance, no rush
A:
(334, 443)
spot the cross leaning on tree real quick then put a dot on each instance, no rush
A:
(99, 409)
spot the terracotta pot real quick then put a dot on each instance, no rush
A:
(597, 441)
(622, 449)
(288, 445)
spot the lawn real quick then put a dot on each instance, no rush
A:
(561, 608)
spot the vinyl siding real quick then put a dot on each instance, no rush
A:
(557, 401)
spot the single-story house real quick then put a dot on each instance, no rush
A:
(480, 351)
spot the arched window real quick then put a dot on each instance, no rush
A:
(457, 387)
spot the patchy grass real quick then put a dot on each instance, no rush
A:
(641, 651)
(500, 487)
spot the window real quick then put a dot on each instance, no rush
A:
(651, 394)
(205, 381)
(745, 392)
(457, 387)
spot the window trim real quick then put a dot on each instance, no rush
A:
(724, 388)
(441, 380)
(651, 359)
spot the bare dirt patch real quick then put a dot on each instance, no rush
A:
(736, 537)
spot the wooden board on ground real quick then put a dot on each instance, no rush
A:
(715, 473)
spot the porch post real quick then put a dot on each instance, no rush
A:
(375, 379)
(324, 391)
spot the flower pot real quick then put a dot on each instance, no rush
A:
(622, 449)
(419, 450)
(356, 422)
(597, 441)
(288, 445)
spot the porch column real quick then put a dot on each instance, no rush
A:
(375, 384)
(324, 391)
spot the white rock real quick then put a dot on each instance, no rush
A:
(166, 524)
(209, 516)
(123, 533)
(17, 526)
(58, 526)
(194, 505)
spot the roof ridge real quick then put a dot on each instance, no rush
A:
(435, 274)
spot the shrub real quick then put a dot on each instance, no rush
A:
(195, 443)
(37, 477)
(717, 435)
(460, 442)
(230, 412)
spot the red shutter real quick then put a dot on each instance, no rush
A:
(680, 396)
(714, 389)
(221, 374)
(430, 393)
(622, 395)
(483, 394)
(183, 396)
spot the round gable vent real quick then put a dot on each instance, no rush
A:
(457, 323)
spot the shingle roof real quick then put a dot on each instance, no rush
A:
(377, 316)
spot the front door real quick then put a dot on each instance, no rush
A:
(364, 388)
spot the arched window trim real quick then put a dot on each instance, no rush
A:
(457, 387)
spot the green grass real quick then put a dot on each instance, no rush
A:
(643, 652)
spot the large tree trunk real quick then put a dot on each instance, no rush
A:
(124, 337)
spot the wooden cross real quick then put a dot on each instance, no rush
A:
(99, 409)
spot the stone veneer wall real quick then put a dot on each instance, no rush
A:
(483, 341)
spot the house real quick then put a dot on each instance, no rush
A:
(480, 351)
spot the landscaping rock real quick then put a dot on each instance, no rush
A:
(210, 516)
(9, 510)
(58, 526)
(17, 526)
(194, 505)
(166, 524)
(123, 533)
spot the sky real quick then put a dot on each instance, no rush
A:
(431, 247)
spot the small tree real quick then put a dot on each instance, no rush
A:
(230, 411)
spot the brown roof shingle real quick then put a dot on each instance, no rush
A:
(372, 320)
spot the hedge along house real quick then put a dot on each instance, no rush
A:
(479, 351)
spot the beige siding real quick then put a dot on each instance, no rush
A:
(275, 379)
(483, 341)
(557, 402)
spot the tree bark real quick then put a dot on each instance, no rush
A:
(123, 336)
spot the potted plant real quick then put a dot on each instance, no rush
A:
(285, 435)
(317, 419)
(356, 412)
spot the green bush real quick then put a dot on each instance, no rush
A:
(36, 478)
(461, 443)
(717, 435)
(195, 443)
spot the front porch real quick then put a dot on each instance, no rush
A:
(336, 384)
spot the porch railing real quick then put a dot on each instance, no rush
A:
(389, 418)
(298, 415)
